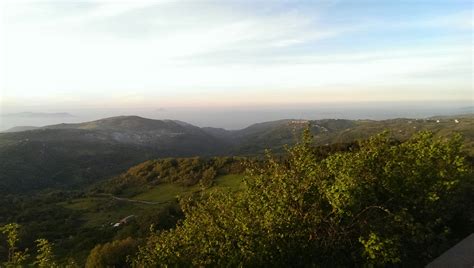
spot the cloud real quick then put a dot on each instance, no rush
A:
(136, 52)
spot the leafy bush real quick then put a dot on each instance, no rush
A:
(112, 254)
(384, 203)
(44, 257)
(16, 257)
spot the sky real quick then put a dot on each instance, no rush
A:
(67, 55)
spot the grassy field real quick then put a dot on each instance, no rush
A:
(100, 211)
(232, 181)
(165, 192)
(103, 210)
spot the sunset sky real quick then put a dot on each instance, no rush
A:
(216, 53)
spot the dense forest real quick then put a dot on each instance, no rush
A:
(378, 201)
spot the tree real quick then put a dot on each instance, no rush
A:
(15, 256)
(112, 254)
(386, 202)
(207, 177)
(399, 198)
(44, 257)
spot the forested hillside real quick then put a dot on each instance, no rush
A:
(75, 155)
(70, 155)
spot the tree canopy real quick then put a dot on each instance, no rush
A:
(384, 202)
(113, 254)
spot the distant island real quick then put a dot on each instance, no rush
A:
(37, 115)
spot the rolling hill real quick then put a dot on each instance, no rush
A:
(274, 135)
(69, 155)
(74, 154)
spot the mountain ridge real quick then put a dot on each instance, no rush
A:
(251, 126)
(67, 155)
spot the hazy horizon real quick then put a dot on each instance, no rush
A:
(240, 117)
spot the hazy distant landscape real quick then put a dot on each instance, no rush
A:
(245, 116)
(75, 154)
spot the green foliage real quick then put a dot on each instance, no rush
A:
(379, 251)
(183, 171)
(15, 257)
(77, 221)
(44, 256)
(113, 254)
(407, 193)
(386, 202)
(208, 176)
